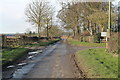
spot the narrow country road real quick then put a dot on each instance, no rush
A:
(55, 62)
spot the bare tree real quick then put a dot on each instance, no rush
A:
(48, 21)
(36, 13)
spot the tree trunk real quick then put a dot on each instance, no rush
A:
(47, 33)
(38, 30)
(88, 25)
(94, 28)
(73, 33)
(78, 30)
(91, 31)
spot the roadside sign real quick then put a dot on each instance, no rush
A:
(103, 34)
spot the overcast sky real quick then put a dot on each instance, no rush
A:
(12, 15)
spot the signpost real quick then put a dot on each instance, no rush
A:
(103, 34)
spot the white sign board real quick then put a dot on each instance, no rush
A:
(103, 34)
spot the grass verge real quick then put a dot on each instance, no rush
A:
(42, 43)
(12, 55)
(97, 63)
(78, 43)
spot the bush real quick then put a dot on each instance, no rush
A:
(97, 38)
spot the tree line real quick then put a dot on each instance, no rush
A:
(86, 17)
(81, 18)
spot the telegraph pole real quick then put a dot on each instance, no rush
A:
(109, 20)
(109, 25)
(119, 27)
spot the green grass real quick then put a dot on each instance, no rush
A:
(78, 43)
(37, 44)
(12, 55)
(98, 63)
(42, 43)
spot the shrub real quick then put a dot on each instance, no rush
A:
(97, 37)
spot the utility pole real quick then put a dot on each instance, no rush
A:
(118, 27)
(109, 20)
(109, 25)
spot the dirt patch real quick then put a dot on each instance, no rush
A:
(79, 71)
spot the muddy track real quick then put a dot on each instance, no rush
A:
(78, 71)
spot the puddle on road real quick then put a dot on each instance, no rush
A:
(35, 52)
(22, 64)
(30, 57)
(11, 66)
(32, 60)
(24, 70)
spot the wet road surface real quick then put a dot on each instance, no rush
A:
(55, 61)
(56, 64)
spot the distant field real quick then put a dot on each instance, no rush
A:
(78, 43)
(98, 63)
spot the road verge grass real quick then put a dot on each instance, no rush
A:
(42, 43)
(97, 63)
(11, 55)
(78, 43)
